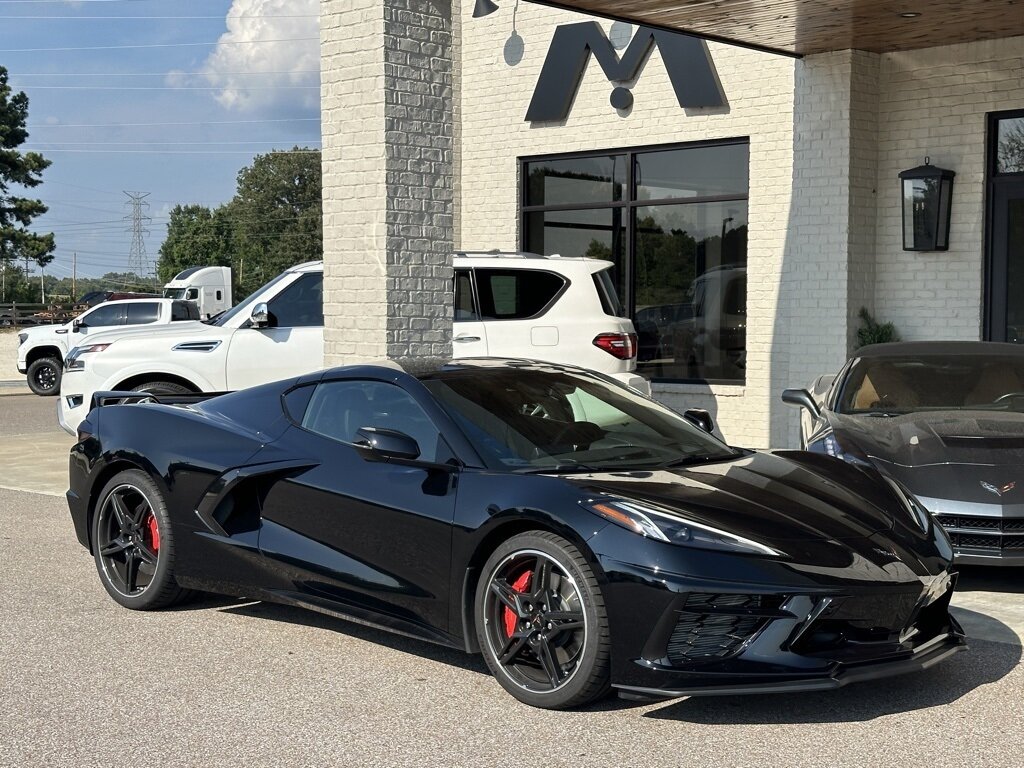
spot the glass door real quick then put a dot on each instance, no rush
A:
(1005, 295)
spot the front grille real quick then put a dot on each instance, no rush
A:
(994, 534)
(713, 626)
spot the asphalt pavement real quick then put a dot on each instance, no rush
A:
(84, 682)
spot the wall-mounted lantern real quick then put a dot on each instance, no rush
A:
(927, 201)
(484, 8)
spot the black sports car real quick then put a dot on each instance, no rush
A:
(945, 420)
(577, 534)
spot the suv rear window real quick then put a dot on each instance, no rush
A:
(516, 294)
(606, 291)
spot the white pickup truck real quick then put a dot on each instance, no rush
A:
(41, 350)
(507, 305)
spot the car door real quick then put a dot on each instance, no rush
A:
(102, 318)
(293, 343)
(469, 334)
(367, 535)
(513, 304)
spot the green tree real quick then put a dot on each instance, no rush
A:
(24, 169)
(276, 216)
(196, 237)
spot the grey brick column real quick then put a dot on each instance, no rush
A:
(387, 115)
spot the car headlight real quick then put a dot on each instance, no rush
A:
(74, 361)
(22, 338)
(664, 525)
(832, 447)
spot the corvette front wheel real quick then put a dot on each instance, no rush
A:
(541, 622)
(133, 545)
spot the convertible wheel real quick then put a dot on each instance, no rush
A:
(44, 376)
(541, 622)
(133, 545)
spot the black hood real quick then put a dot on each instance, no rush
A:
(763, 497)
(935, 437)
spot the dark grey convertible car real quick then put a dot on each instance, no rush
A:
(944, 420)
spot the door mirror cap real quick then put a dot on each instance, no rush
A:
(76, 325)
(386, 444)
(260, 317)
(700, 419)
(802, 398)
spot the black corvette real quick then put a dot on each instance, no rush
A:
(945, 419)
(577, 534)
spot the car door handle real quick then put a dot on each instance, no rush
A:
(465, 339)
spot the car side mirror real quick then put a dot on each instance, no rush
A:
(385, 444)
(700, 419)
(260, 317)
(77, 325)
(802, 398)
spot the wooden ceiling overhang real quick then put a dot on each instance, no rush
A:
(804, 27)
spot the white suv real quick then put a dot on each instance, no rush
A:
(516, 305)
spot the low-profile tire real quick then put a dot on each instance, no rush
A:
(541, 622)
(133, 544)
(162, 388)
(44, 376)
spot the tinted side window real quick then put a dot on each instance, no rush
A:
(140, 314)
(339, 409)
(301, 304)
(464, 309)
(184, 310)
(515, 294)
(105, 315)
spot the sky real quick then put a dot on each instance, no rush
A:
(170, 98)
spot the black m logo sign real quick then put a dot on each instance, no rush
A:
(687, 60)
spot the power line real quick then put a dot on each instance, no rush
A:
(173, 151)
(164, 18)
(157, 45)
(170, 87)
(198, 123)
(161, 74)
(41, 146)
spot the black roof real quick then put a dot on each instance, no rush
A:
(951, 348)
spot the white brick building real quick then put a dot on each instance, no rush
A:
(427, 150)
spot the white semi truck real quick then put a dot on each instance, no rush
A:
(209, 288)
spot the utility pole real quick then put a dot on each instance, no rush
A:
(42, 285)
(74, 277)
(137, 262)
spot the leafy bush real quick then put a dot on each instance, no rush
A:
(873, 332)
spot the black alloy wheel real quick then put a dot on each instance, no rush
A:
(132, 543)
(44, 376)
(541, 622)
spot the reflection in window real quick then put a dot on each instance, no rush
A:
(675, 227)
(1010, 146)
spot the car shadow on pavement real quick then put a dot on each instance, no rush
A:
(983, 663)
(990, 579)
(410, 645)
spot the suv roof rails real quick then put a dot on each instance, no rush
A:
(505, 254)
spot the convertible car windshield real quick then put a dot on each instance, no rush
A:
(934, 382)
(533, 420)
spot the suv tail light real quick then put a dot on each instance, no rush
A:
(620, 345)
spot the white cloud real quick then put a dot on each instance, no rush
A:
(294, 63)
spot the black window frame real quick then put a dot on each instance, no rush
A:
(995, 277)
(628, 206)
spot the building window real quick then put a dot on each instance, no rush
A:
(673, 220)
(1004, 295)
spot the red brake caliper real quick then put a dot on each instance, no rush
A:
(154, 532)
(519, 585)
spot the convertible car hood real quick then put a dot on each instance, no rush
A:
(975, 457)
(762, 497)
(936, 437)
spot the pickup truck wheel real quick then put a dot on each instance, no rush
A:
(44, 376)
(162, 388)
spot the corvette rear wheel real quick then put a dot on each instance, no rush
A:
(133, 545)
(541, 622)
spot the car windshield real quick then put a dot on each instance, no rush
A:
(934, 382)
(534, 420)
(244, 307)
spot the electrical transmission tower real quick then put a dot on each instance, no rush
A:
(137, 261)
